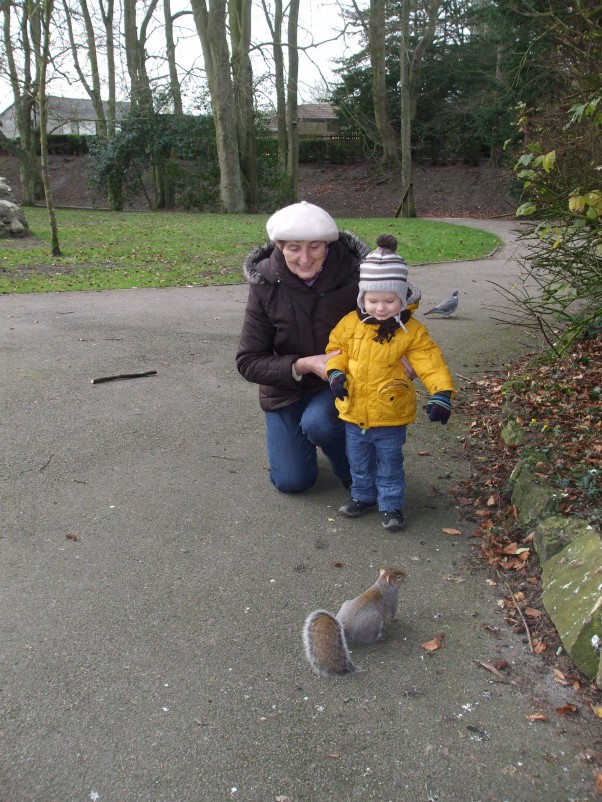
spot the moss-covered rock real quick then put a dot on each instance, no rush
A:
(553, 534)
(512, 433)
(572, 596)
(532, 498)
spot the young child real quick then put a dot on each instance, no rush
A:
(374, 395)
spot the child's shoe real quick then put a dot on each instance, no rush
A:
(354, 508)
(392, 520)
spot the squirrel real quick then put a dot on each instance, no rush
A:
(360, 620)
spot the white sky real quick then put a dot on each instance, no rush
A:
(319, 21)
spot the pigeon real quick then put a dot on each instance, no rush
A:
(446, 307)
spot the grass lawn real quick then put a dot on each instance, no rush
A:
(110, 250)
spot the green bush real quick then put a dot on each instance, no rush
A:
(561, 291)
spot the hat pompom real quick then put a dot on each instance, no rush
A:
(387, 241)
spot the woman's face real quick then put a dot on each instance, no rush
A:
(304, 259)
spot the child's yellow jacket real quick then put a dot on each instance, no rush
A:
(380, 393)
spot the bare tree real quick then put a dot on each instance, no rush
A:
(170, 51)
(210, 23)
(40, 18)
(275, 26)
(91, 82)
(376, 42)
(22, 73)
(410, 65)
(244, 107)
(135, 51)
(292, 111)
(286, 84)
(374, 27)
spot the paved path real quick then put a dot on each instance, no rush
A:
(153, 585)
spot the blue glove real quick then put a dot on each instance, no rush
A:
(438, 407)
(336, 380)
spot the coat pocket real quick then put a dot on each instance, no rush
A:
(395, 401)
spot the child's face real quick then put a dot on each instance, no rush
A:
(382, 305)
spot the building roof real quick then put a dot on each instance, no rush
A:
(309, 112)
(316, 111)
(76, 108)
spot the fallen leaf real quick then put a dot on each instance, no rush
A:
(537, 717)
(493, 499)
(539, 647)
(566, 709)
(597, 710)
(335, 755)
(531, 612)
(448, 531)
(560, 678)
(598, 781)
(435, 643)
(71, 536)
(424, 453)
(336, 564)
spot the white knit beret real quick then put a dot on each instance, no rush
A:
(383, 270)
(302, 222)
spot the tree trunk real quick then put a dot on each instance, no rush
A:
(25, 88)
(211, 28)
(292, 112)
(406, 207)
(107, 13)
(92, 87)
(170, 49)
(115, 190)
(242, 80)
(376, 42)
(140, 89)
(135, 51)
(275, 27)
(43, 11)
(409, 80)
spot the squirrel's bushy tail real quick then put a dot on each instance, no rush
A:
(326, 646)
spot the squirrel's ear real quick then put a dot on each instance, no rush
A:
(381, 571)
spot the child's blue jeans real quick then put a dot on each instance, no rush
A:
(294, 432)
(376, 460)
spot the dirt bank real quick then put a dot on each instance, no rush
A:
(349, 190)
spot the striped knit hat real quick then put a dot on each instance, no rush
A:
(383, 270)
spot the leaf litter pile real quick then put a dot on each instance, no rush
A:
(558, 407)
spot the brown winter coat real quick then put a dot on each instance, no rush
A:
(285, 319)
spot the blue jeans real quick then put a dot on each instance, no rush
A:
(376, 460)
(293, 433)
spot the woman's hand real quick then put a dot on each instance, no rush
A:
(314, 364)
(409, 370)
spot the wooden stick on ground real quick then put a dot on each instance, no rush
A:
(123, 376)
